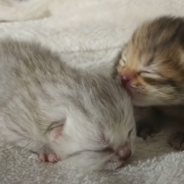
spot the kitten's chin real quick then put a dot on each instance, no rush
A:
(140, 103)
(140, 100)
(143, 102)
(137, 98)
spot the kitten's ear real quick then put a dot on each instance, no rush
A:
(56, 129)
(114, 72)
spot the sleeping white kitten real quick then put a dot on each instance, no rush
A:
(58, 112)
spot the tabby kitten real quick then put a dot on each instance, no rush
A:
(152, 68)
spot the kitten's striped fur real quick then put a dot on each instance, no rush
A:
(153, 64)
(154, 56)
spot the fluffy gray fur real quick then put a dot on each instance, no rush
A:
(39, 93)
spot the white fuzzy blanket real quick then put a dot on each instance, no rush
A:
(90, 33)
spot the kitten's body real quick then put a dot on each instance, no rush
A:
(46, 104)
(152, 66)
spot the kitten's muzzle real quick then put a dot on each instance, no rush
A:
(126, 83)
(127, 77)
(125, 152)
(125, 80)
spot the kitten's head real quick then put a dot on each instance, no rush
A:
(152, 64)
(100, 123)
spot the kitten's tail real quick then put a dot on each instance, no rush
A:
(25, 10)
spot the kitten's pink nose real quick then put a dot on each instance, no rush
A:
(125, 152)
(125, 81)
(126, 77)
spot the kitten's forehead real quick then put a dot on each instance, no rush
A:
(156, 43)
(161, 61)
(134, 57)
(159, 32)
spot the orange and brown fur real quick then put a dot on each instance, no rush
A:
(152, 67)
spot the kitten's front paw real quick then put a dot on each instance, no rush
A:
(176, 141)
(114, 163)
(48, 157)
(146, 130)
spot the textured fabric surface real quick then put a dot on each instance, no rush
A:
(91, 34)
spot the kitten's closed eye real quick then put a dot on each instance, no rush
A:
(150, 74)
(155, 76)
